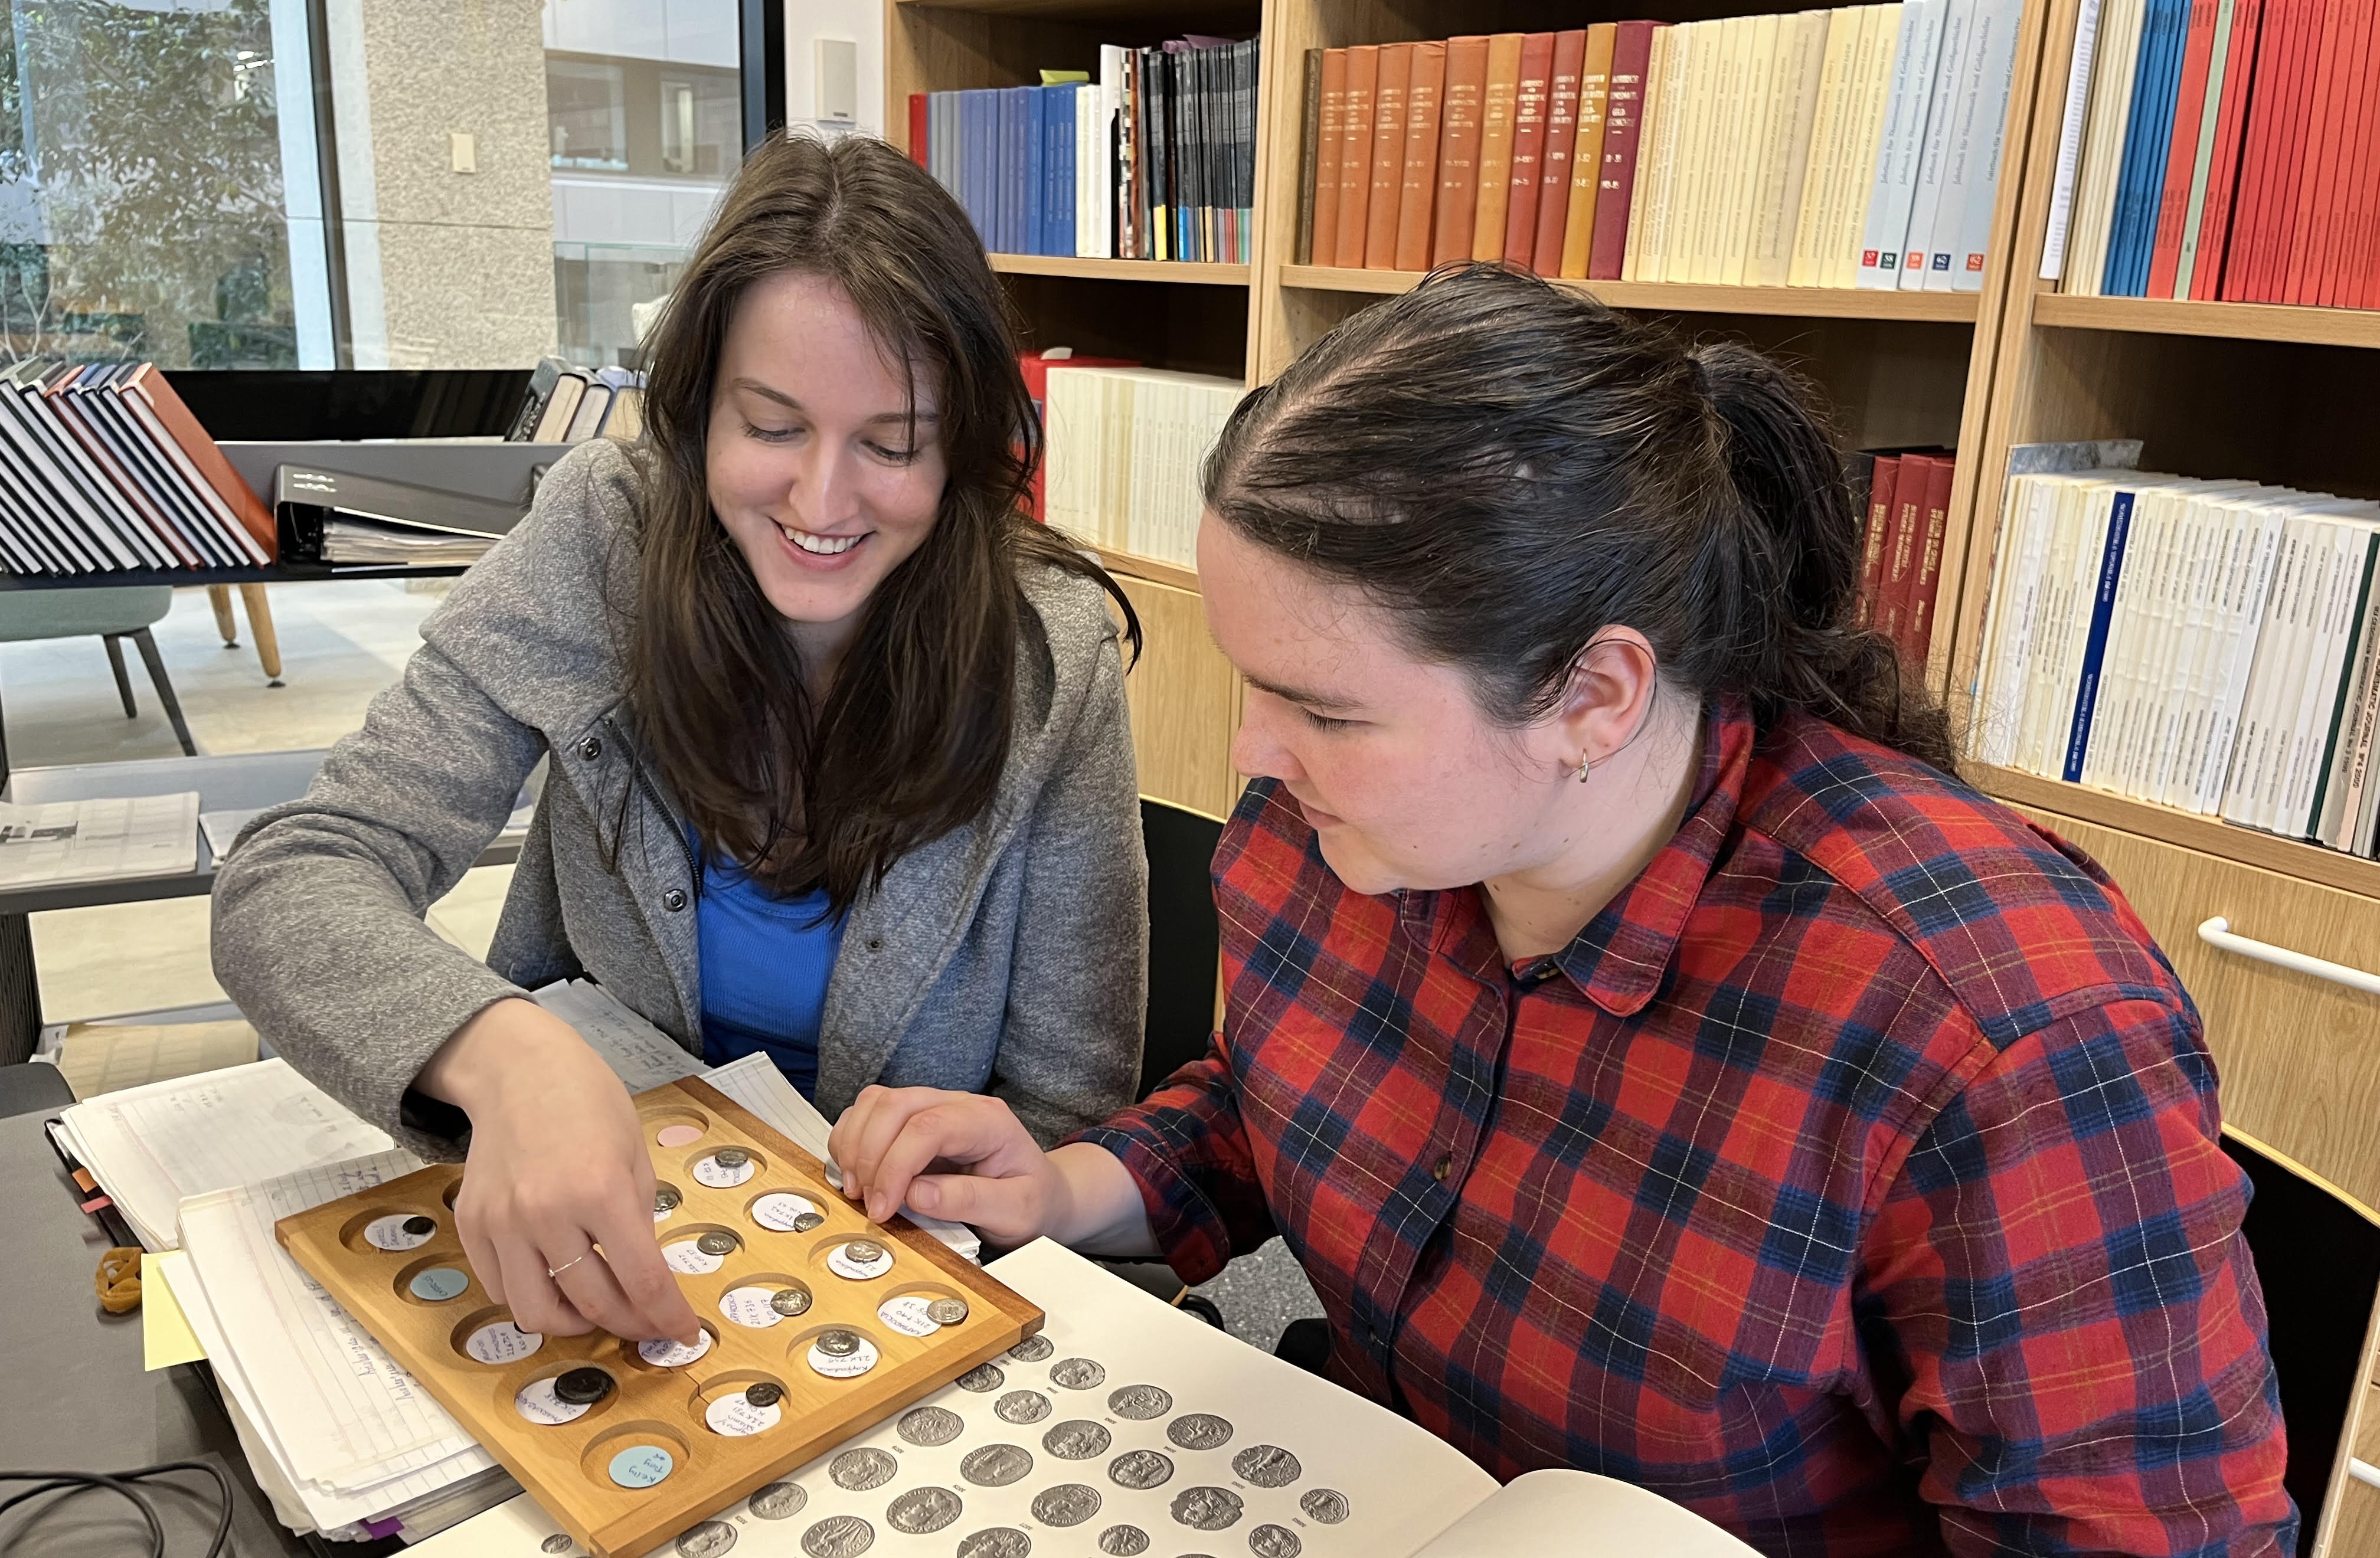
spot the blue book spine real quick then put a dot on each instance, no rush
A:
(1032, 202)
(2095, 648)
(2146, 133)
(1062, 180)
(971, 144)
(1020, 149)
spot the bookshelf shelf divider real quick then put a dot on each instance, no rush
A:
(2244, 321)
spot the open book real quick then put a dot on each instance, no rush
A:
(1131, 1427)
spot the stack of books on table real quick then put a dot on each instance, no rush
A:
(568, 404)
(1855, 147)
(2213, 645)
(1156, 159)
(1124, 449)
(102, 469)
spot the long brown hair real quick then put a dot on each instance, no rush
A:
(911, 740)
(1509, 468)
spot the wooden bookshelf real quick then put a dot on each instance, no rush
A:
(1184, 271)
(2239, 321)
(1683, 297)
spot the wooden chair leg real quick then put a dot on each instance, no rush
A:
(219, 596)
(165, 684)
(114, 642)
(260, 627)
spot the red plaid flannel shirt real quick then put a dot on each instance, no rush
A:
(1852, 1180)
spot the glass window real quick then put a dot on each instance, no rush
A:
(587, 104)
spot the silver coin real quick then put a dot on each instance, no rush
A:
(1022, 1406)
(996, 1465)
(1077, 1440)
(716, 1243)
(731, 1157)
(779, 1500)
(707, 1541)
(1328, 1505)
(838, 1343)
(923, 1510)
(1068, 1504)
(839, 1536)
(809, 1220)
(1266, 1465)
(1077, 1373)
(667, 1200)
(1274, 1541)
(790, 1301)
(1001, 1541)
(557, 1544)
(1124, 1542)
(1208, 1509)
(864, 1251)
(930, 1426)
(1141, 1469)
(1032, 1349)
(947, 1311)
(1199, 1431)
(857, 1471)
(764, 1394)
(983, 1379)
(1140, 1403)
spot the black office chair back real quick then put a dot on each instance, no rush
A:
(2317, 1259)
(1183, 945)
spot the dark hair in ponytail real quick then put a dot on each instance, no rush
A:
(1508, 468)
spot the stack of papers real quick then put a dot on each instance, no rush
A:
(73, 842)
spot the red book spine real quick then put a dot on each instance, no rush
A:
(2223, 168)
(1919, 615)
(2269, 264)
(1458, 148)
(917, 128)
(2273, 42)
(1879, 525)
(1355, 154)
(1528, 147)
(1562, 137)
(2181, 153)
(2365, 291)
(1623, 123)
(1899, 546)
(2297, 271)
(1326, 157)
(2338, 263)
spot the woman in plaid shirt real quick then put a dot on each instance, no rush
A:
(1659, 1062)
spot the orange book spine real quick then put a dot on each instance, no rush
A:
(1529, 107)
(1917, 617)
(2338, 260)
(1458, 148)
(1587, 153)
(1355, 154)
(200, 449)
(1326, 157)
(1425, 117)
(1497, 102)
(1553, 166)
(1388, 156)
(2317, 164)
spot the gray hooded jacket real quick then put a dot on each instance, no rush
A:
(1008, 956)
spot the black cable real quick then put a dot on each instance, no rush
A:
(121, 1482)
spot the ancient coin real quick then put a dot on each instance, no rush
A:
(780, 1210)
(665, 1201)
(557, 1544)
(421, 1227)
(764, 1394)
(857, 1471)
(864, 1251)
(582, 1387)
(716, 1243)
(930, 1426)
(1077, 1373)
(996, 1465)
(1328, 1505)
(947, 1311)
(731, 1157)
(1068, 1504)
(1032, 1349)
(707, 1541)
(779, 1500)
(808, 1221)
(1199, 1431)
(1274, 1541)
(1124, 1542)
(1141, 1469)
(1022, 1406)
(1077, 1440)
(397, 1232)
(1266, 1465)
(838, 1343)
(921, 1510)
(1140, 1403)
(983, 1379)
(790, 1301)
(839, 1536)
(1000, 1542)
(1208, 1509)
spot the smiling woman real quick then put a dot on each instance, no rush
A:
(839, 767)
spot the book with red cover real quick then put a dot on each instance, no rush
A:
(1872, 542)
(1528, 146)
(1355, 154)
(2292, 100)
(2189, 107)
(2362, 285)
(1425, 121)
(1036, 370)
(2335, 268)
(2296, 272)
(2223, 165)
(1562, 139)
(917, 128)
(157, 398)
(1623, 123)
(1326, 157)
(1917, 613)
(1458, 148)
(2275, 38)
(1388, 157)
(1901, 545)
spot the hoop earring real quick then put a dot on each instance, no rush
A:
(1584, 768)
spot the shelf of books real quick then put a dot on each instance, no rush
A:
(1947, 308)
(1092, 268)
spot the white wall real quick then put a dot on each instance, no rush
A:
(861, 21)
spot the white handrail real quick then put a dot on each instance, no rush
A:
(2363, 1471)
(2217, 933)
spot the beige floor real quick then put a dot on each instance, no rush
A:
(340, 644)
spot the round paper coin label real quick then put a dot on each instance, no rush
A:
(679, 1135)
(661, 1214)
(778, 1210)
(667, 1352)
(439, 1284)
(684, 1256)
(907, 1315)
(641, 1466)
(733, 1415)
(839, 1261)
(392, 1233)
(852, 1367)
(503, 1342)
(749, 1306)
(719, 1177)
(537, 1402)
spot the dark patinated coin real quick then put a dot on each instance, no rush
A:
(421, 1227)
(716, 1243)
(582, 1387)
(790, 1301)
(838, 1343)
(731, 1157)
(947, 1311)
(808, 1221)
(764, 1394)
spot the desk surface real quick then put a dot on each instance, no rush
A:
(74, 1393)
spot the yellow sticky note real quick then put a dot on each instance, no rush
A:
(165, 1335)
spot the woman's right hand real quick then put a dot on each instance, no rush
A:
(557, 1166)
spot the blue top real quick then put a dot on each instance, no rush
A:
(765, 965)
